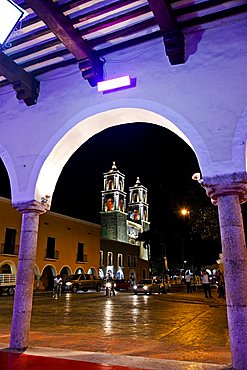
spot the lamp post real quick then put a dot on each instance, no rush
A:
(184, 212)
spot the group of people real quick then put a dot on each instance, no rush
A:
(206, 284)
(207, 287)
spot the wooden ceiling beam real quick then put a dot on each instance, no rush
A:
(90, 65)
(26, 86)
(173, 37)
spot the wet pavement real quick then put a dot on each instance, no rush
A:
(171, 331)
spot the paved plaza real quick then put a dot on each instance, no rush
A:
(171, 331)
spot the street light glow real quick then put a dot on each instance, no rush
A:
(185, 212)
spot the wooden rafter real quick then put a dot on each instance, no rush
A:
(172, 35)
(26, 86)
(62, 27)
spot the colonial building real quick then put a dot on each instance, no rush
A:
(65, 245)
(121, 223)
(68, 245)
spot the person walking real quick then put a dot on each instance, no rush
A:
(206, 284)
(57, 286)
(221, 284)
(188, 282)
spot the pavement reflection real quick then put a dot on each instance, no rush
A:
(172, 326)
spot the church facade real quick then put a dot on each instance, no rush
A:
(122, 253)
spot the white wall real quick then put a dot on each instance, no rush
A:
(203, 100)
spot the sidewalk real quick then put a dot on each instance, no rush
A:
(53, 359)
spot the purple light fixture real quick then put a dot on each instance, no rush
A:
(115, 84)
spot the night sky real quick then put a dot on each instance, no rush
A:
(163, 162)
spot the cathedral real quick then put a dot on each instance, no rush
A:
(122, 253)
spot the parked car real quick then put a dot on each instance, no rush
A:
(149, 286)
(122, 284)
(82, 282)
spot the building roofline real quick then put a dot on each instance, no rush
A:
(55, 214)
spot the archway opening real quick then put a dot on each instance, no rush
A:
(5, 269)
(65, 272)
(164, 163)
(47, 278)
(5, 191)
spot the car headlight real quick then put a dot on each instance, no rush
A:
(135, 287)
(68, 283)
(145, 287)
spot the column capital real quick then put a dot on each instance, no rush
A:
(233, 184)
(31, 206)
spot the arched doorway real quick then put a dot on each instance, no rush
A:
(47, 278)
(64, 272)
(7, 267)
(79, 270)
(92, 271)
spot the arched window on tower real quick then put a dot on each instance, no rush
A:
(121, 185)
(110, 204)
(121, 205)
(135, 197)
(110, 185)
(136, 215)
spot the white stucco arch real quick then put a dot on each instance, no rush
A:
(98, 118)
(239, 147)
(44, 174)
(7, 160)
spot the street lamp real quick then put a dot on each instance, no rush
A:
(184, 212)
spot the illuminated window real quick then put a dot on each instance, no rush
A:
(120, 259)
(101, 258)
(109, 258)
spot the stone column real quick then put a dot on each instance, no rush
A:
(228, 193)
(25, 274)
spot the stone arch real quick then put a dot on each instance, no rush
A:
(7, 267)
(96, 119)
(47, 277)
(64, 272)
(79, 270)
(93, 271)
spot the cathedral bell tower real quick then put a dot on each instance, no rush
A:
(113, 215)
(137, 211)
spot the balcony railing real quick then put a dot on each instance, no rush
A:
(9, 249)
(81, 258)
(51, 256)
